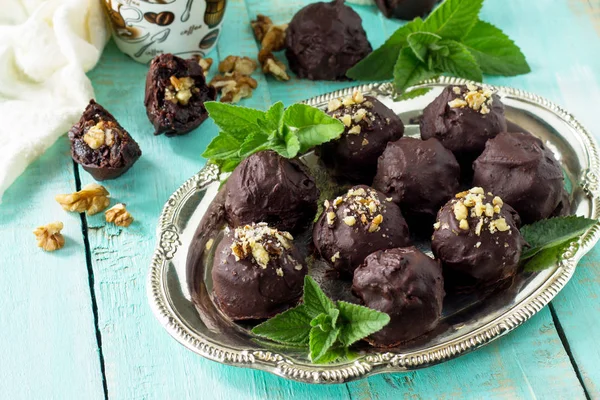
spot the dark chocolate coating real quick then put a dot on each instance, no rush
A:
(174, 118)
(324, 40)
(354, 243)
(405, 9)
(463, 131)
(564, 205)
(467, 264)
(405, 284)
(266, 187)
(105, 162)
(244, 290)
(523, 172)
(350, 157)
(419, 175)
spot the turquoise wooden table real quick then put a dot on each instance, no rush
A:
(76, 324)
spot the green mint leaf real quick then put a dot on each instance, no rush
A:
(254, 142)
(495, 52)
(320, 342)
(326, 321)
(379, 64)
(229, 164)
(235, 120)
(419, 42)
(274, 116)
(311, 125)
(315, 301)
(336, 353)
(409, 70)
(459, 62)
(292, 142)
(222, 147)
(291, 326)
(545, 259)
(359, 322)
(453, 19)
(411, 94)
(548, 233)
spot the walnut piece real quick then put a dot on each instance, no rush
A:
(261, 26)
(98, 135)
(241, 65)
(180, 90)
(234, 86)
(205, 63)
(273, 66)
(49, 237)
(271, 38)
(92, 199)
(118, 215)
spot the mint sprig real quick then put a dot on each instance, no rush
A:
(328, 328)
(452, 40)
(245, 131)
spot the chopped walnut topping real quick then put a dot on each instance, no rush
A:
(364, 142)
(497, 201)
(476, 98)
(374, 227)
(49, 237)
(241, 65)
(298, 267)
(361, 205)
(464, 225)
(118, 215)
(233, 86)
(358, 97)
(334, 104)
(460, 211)
(94, 137)
(92, 199)
(457, 103)
(359, 115)
(330, 218)
(180, 90)
(472, 202)
(279, 272)
(456, 90)
(477, 244)
(205, 63)
(436, 226)
(355, 130)
(335, 257)
(261, 242)
(346, 120)
(350, 220)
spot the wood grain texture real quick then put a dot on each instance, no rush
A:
(48, 343)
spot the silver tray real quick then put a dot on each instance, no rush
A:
(465, 328)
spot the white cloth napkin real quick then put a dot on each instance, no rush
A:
(46, 47)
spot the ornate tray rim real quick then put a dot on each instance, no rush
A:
(376, 362)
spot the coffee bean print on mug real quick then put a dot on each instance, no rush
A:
(209, 40)
(161, 19)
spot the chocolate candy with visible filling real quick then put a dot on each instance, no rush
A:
(101, 145)
(175, 94)
(356, 224)
(405, 284)
(463, 118)
(419, 175)
(405, 9)
(370, 125)
(257, 272)
(324, 40)
(521, 170)
(477, 239)
(266, 187)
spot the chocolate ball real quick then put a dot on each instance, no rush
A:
(477, 239)
(370, 125)
(419, 175)
(520, 169)
(175, 94)
(463, 118)
(408, 286)
(324, 40)
(257, 272)
(356, 224)
(266, 187)
(405, 9)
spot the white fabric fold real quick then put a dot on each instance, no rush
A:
(46, 47)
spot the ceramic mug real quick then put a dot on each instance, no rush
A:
(144, 28)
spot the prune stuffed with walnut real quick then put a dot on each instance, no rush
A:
(175, 94)
(101, 145)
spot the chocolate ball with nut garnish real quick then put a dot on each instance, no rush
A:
(257, 272)
(101, 145)
(520, 169)
(324, 40)
(463, 118)
(356, 224)
(419, 175)
(369, 127)
(408, 286)
(477, 239)
(269, 188)
(175, 94)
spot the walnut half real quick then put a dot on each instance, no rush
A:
(271, 38)
(118, 215)
(92, 199)
(49, 237)
(234, 86)
(241, 65)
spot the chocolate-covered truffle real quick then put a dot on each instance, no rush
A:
(405, 284)
(266, 187)
(324, 40)
(356, 224)
(101, 145)
(175, 94)
(477, 239)
(257, 272)
(521, 170)
(405, 9)
(370, 125)
(419, 175)
(463, 118)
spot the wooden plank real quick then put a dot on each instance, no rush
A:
(49, 348)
